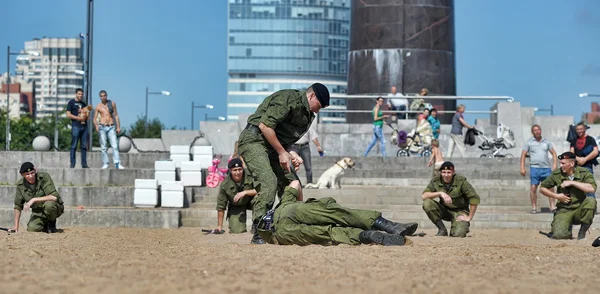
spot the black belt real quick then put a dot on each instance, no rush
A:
(253, 128)
(301, 145)
(107, 125)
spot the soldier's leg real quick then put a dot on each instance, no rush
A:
(237, 219)
(52, 210)
(303, 234)
(284, 178)
(326, 211)
(437, 213)
(562, 224)
(459, 228)
(258, 165)
(37, 223)
(584, 215)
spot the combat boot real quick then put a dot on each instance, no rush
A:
(382, 224)
(582, 231)
(52, 227)
(377, 237)
(256, 239)
(441, 228)
(596, 242)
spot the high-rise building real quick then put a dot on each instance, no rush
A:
(286, 44)
(21, 97)
(55, 71)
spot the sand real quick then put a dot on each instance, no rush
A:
(83, 260)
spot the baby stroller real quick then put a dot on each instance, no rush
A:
(505, 139)
(413, 143)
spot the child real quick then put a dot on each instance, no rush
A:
(436, 158)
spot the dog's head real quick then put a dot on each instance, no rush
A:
(346, 162)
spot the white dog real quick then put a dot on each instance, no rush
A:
(332, 177)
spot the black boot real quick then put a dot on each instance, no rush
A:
(382, 224)
(596, 242)
(582, 231)
(441, 228)
(385, 239)
(256, 239)
(52, 227)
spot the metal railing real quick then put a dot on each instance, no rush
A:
(442, 97)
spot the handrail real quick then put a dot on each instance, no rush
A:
(441, 97)
(405, 111)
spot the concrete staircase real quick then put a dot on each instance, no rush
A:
(104, 198)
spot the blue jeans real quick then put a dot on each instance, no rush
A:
(111, 133)
(591, 169)
(79, 134)
(377, 134)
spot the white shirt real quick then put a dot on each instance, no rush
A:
(398, 101)
(310, 135)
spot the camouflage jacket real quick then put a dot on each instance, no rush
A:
(557, 177)
(229, 188)
(287, 112)
(43, 186)
(461, 192)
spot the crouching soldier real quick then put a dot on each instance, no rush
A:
(36, 190)
(235, 194)
(324, 222)
(574, 184)
(458, 201)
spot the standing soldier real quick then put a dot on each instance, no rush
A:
(458, 201)
(266, 142)
(574, 185)
(36, 190)
(235, 195)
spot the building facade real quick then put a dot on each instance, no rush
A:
(286, 44)
(21, 97)
(56, 72)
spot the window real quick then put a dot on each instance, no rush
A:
(248, 52)
(231, 40)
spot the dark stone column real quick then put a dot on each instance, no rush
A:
(404, 43)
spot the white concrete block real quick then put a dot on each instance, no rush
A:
(162, 176)
(145, 197)
(191, 178)
(164, 165)
(146, 184)
(191, 166)
(180, 149)
(204, 160)
(171, 199)
(171, 186)
(204, 150)
(178, 158)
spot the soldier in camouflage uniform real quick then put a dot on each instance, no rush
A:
(575, 207)
(235, 194)
(324, 222)
(36, 190)
(266, 142)
(458, 201)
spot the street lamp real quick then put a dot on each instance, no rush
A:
(61, 69)
(588, 95)
(8, 54)
(221, 118)
(209, 106)
(165, 93)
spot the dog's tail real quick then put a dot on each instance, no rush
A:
(310, 186)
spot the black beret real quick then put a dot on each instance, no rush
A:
(447, 165)
(567, 155)
(322, 94)
(235, 162)
(26, 167)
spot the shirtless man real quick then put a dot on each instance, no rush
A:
(108, 128)
(436, 159)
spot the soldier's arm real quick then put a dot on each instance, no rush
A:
(19, 202)
(277, 112)
(250, 193)
(429, 192)
(548, 184)
(587, 184)
(221, 206)
(50, 190)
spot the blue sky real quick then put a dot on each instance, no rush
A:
(541, 52)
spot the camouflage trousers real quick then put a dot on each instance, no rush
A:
(236, 215)
(49, 211)
(263, 165)
(436, 211)
(322, 222)
(564, 218)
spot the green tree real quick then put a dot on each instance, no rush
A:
(138, 128)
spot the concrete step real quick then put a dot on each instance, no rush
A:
(121, 196)
(105, 218)
(84, 176)
(52, 159)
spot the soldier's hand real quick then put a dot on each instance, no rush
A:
(563, 198)
(446, 198)
(523, 172)
(463, 218)
(13, 230)
(239, 196)
(284, 160)
(566, 184)
(296, 160)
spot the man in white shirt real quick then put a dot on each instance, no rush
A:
(302, 147)
(399, 104)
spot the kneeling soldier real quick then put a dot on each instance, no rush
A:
(36, 191)
(324, 222)
(235, 194)
(458, 201)
(575, 207)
